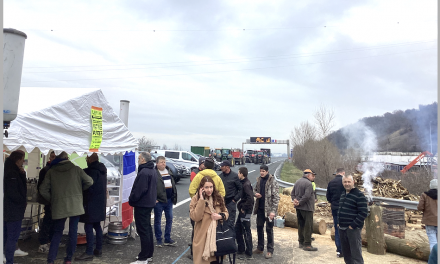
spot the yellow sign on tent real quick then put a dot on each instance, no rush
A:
(96, 114)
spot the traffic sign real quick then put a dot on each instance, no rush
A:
(260, 139)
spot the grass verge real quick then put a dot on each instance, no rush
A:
(290, 173)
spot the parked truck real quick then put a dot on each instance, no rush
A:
(238, 156)
(217, 154)
(203, 151)
(269, 156)
(250, 156)
(261, 157)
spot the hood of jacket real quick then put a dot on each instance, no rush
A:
(209, 172)
(96, 165)
(63, 166)
(148, 165)
(432, 193)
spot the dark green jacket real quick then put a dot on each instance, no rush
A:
(161, 192)
(63, 186)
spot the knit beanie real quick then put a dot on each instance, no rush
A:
(433, 184)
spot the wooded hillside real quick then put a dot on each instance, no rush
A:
(400, 131)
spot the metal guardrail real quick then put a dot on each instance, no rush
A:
(411, 205)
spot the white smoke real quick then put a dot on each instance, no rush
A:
(362, 138)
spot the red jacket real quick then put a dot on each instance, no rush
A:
(194, 173)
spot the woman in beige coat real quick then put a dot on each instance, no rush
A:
(207, 206)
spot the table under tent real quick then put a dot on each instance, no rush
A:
(67, 126)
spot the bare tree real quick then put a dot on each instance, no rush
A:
(146, 144)
(164, 146)
(324, 119)
(177, 147)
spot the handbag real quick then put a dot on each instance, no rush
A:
(225, 241)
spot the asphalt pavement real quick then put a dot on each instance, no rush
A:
(181, 232)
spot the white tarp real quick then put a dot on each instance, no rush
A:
(67, 127)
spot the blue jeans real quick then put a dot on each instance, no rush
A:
(431, 231)
(88, 227)
(11, 233)
(58, 227)
(335, 224)
(158, 209)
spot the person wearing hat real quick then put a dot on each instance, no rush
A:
(303, 198)
(428, 205)
(233, 189)
(201, 167)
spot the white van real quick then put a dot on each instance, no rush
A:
(186, 158)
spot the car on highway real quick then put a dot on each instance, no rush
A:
(184, 158)
(177, 170)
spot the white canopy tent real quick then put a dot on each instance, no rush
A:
(67, 127)
(59, 119)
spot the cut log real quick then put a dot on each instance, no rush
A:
(319, 225)
(404, 247)
(375, 233)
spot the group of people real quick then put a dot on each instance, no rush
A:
(349, 210)
(218, 197)
(66, 191)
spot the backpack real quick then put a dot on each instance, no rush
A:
(225, 241)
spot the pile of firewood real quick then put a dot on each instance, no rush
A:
(323, 209)
(413, 217)
(386, 188)
(285, 205)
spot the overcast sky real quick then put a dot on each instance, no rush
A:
(215, 73)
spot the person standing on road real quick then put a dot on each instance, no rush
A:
(266, 206)
(194, 172)
(95, 199)
(206, 208)
(63, 186)
(428, 205)
(303, 198)
(233, 189)
(208, 171)
(46, 229)
(201, 167)
(335, 189)
(166, 197)
(143, 198)
(243, 225)
(351, 215)
(14, 202)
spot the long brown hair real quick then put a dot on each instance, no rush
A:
(217, 199)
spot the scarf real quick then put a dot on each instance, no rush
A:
(210, 242)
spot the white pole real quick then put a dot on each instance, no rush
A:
(1, 166)
(123, 115)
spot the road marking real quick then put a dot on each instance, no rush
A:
(182, 202)
(181, 255)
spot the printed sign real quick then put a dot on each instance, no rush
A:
(96, 114)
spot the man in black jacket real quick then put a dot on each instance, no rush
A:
(46, 228)
(166, 197)
(243, 225)
(233, 189)
(94, 200)
(14, 202)
(334, 191)
(143, 198)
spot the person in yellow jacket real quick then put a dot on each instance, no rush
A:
(208, 171)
